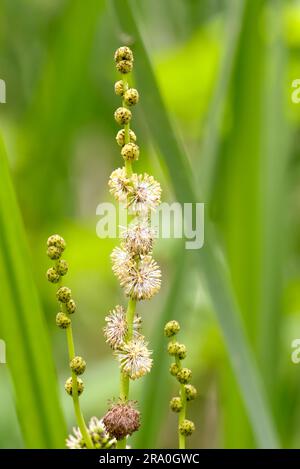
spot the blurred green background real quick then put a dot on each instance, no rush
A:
(215, 124)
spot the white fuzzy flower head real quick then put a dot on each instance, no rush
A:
(116, 328)
(119, 185)
(134, 358)
(145, 194)
(121, 262)
(97, 431)
(141, 279)
(138, 239)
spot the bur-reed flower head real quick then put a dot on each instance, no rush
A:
(140, 279)
(63, 294)
(54, 252)
(121, 420)
(122, 260)
(120, 137)
(116, 328)
(124, 66)
(122, 115)
(190, 392)
(119, 88)
(184, 375)
(176, 404)
(69, 386)
(187, 427)
(62, 320)
(97, 431)
(56, 241)
(62, 267)
(119, 184)
(130, 152)
(138, 239)
(131, 97)
(134, 357)
(145, 194)
(78, 365)
(71, 306)
(123, 53)
(52, 275)
(171, 328)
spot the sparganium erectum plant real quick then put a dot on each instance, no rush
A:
(132, 261)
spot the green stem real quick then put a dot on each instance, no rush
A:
(182, 413)
(124, 379)
(75, 397)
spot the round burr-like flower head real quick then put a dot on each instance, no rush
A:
(52, 275)
(190, 392)
(141, 279)
(123, 53)
(187, 427)
(120, 138)
(119, 185)
(119, 88)
(116, 327)
(63, 294)
(124, 66)
(174, 368)
(184, 375)
(122, 115)
(71, 306)
(122, 260)
(138, 239)
(69, 386)
(62, 320)
(121, 420)
(57, 241)
(145, 194)
(134, 358)
(131, 97)
(130, 152)
(54, 252)
(78, 365)
(62, 267)
(100, 437)
(176, 404)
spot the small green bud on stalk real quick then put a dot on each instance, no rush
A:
(71, 306)
(69, 386)
(171, 328)
(63, 294)
(184, 375)
(120, 137)
(122, 116)
(174, 368)
(56, 241)
(78, 365)
(187, 427)
(176, 404)
(63, 321)
(54, 252)
(124, 66)
(190, 392)
(130, 152)
(123, 53)
(52, 275)
(131, 97)
(119, 88)
(181, 351)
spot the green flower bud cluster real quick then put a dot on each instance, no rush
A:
(183, 375)
(55, 247)
(126, 138)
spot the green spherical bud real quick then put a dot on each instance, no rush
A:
(173, 348)
(63, 294)
(120, 138)
(176, 404)
(171, 328)
(174, 368)
(190, 392)
(119, 88)
(62, 320)
(130, 152)
(69, 386)
(122, 115)
(181, 351)
(123, 53)
(131, 97)
(71, 306)
(124, 66)
(57, 241)
(187, 427)
(78, 365)
(184, 375)
(62, 267)
(53, 252)
(52, 275)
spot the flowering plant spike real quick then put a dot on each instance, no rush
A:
(132, 262)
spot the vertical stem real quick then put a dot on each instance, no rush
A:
(75, 397)
(182, 413)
